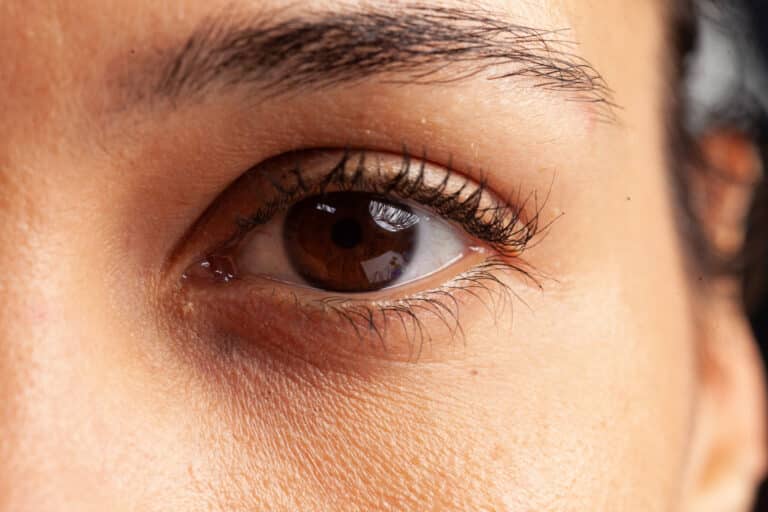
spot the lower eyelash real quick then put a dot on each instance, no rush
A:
(481, 282)
(247, 320)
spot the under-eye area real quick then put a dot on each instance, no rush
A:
(336, 253)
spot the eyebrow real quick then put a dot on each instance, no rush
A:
(414, 44)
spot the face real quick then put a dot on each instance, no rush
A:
(358, 256)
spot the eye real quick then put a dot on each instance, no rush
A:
(358, 223)
(323, 249)
(352, 242)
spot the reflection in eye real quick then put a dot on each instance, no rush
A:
(353, 242)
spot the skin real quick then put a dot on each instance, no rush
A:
(626, 381)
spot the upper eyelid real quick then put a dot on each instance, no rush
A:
(506, 225)
(350, 171)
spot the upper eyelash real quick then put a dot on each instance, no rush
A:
(503, 226)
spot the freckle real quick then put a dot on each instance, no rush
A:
(629, 198)
(473, 372)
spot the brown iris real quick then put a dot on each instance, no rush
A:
(350, 241)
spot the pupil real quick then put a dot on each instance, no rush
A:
(347, 233)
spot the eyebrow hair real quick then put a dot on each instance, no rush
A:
(412, 44)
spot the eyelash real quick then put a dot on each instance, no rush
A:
(481, 283)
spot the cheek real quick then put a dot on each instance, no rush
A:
(622, 380)
(294, 438)
(550, 419)
(591, 405)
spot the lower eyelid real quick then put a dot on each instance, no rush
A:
(259, 316)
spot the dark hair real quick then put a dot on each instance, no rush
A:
(740, 112)
(681, 147)
(750, 263)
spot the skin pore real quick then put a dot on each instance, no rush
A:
(593, 370)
